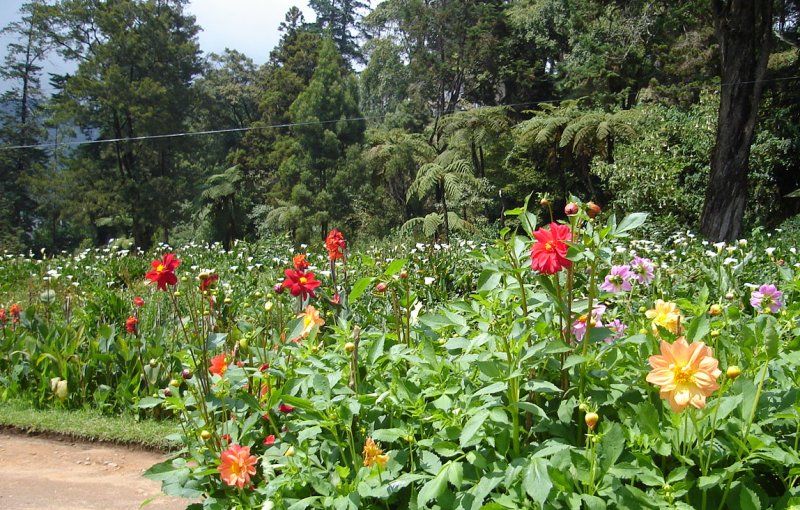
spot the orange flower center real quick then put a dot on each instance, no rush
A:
(548, 246)
(683, 375)
(303, 280)
(160, 268)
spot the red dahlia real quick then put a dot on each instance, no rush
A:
(549, 252)
(300, 283)
(163, 272)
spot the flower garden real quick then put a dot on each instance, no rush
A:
(563, 365)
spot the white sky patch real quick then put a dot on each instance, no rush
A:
(248, 26)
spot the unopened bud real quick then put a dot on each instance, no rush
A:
(403, 274)
(730, 296)
(715, 310)
(545, 202)
(571, 209)
(289, 452)
(186, 374)
(277, 288)
(349, 347)
(592, 209)
(733, 372)
(205, 435)
(591, 420)
(381, 287)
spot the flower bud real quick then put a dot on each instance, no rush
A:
(205, 435)
(174, 383)
(571, 209)
(153, 363)
(733, 372)
(289, 452)
(243, 344)
(381, 287)
(592, 209)
(403, 274)
(177, 293)
(349, 347)
(730, 296)
(167, 392)
(268, 306)
(714, 333)
(186, 374)
(591, 420)
(277, 288)
(715, 310)
(227, 300)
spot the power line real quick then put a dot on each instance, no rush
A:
(321, 122)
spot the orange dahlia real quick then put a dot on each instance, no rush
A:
(687, 374)
(237, 465)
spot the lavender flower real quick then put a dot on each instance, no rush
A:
(767, 299)
(642, 270)
(618, 280)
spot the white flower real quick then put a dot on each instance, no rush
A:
(429, 280)
(719, 246)
(729, 261)
(770, 251)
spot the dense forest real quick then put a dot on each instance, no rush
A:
(420, 117)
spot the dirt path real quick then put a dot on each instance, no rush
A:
(63, 474)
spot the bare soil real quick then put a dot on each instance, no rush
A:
(64, 474)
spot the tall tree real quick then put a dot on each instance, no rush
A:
(136, 61)
(340, 18)
(21, 123)
(744, 32)
(328, 121)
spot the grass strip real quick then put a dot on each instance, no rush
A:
(89, 425)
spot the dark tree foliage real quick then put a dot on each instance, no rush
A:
(424, 116)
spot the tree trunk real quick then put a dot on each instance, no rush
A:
(744, 31)
(446, 214)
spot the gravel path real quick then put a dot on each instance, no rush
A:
(63, 474)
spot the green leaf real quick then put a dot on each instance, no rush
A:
(472, 427)
(388, 435)
(748, 499)
(455, 474)
(630, 222)
(308, 433)
(489, 280)
(215, 341)
(542, 387)
(537, 480)
(148, 403)
(489, 390)
(698, 328)
(433, 488)
(395, 267)
(166, 471)
(430, 462)
(359, 288)
(611, 446)
(574, 359)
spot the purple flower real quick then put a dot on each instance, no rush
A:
(642, 270)
(617, 328)
(767, 299)
(579, 327)
(618, 280)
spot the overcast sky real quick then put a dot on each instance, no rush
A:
(249, 26)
